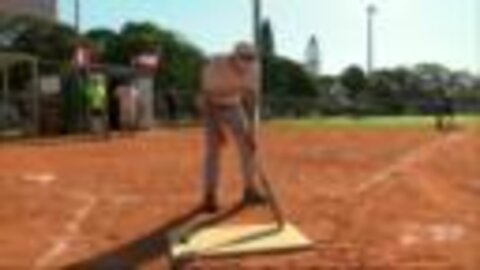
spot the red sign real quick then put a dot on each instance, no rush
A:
(82, 57)
(147, 61)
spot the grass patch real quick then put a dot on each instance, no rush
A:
(375, 122)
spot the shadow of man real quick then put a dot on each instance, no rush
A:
(155, 244)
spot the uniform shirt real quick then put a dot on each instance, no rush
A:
(96, 95)
(225, 83)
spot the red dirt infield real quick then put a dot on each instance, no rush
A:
(369, 199)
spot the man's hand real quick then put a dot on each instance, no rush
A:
(206, 110)
(251, 141)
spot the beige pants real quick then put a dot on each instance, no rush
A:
(234, 119)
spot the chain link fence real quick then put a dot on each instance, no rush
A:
(179, 108)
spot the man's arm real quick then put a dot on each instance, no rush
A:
(201, 99)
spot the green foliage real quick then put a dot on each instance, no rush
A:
(382, 96)
(329, 102)
(43, 38)
(355, 82)
(137, 38)
(353, 78)
(397, 91)
(288, 89)
(106, 43)
(286, 85)
(291, 91)
(180, 60)
(267, 39)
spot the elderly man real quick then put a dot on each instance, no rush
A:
(229, 85)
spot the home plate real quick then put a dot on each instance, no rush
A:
(240, 240)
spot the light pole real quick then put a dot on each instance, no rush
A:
(477, 16)
(257, 21)
(371, 11)
(77, 11)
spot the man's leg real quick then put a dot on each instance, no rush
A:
(211, 163)
(236, 119)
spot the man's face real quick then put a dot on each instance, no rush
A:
(244, 61)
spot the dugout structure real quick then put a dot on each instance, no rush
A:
(20, 94)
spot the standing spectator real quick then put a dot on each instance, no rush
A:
(128, 96)
(170, 97)
(96, 93)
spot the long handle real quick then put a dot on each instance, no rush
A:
(272, 199)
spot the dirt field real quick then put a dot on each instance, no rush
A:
(370, 199)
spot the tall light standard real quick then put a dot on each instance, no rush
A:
(477, 16)
(371, 11)
(257, 21)
(77, 11)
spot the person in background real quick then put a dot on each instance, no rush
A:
(170, 98)
(445, 112)
(127, 96)
(96, 93)
(228, 83)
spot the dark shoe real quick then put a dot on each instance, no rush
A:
(252, 197)
(209, 206)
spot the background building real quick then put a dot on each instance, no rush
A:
(313, 63)
(43, 8)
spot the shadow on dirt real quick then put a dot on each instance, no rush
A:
(154, 245)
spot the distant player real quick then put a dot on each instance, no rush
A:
(228, 83)
(444, 112)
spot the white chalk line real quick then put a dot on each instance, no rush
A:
(40, 178)
(406, 161)
(72, 229)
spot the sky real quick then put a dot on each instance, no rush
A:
(406, 31)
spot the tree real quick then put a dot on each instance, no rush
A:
(409, 89)
(354, 80)
(181, 61)
(106, 43)
(293, 91)
(287, 87)
(45, 39)
(267, 39)
(136, 38)
(329, 98)
(268, 55)
(383, 94)
(433, 76)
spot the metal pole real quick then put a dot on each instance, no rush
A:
(3, 112)
(77, 16)
(477, 15)
(257, 25)
(371, 10)
(257, 20)
(36, 97)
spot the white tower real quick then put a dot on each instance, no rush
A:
(312, 55)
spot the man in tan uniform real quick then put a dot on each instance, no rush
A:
(229, 85)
